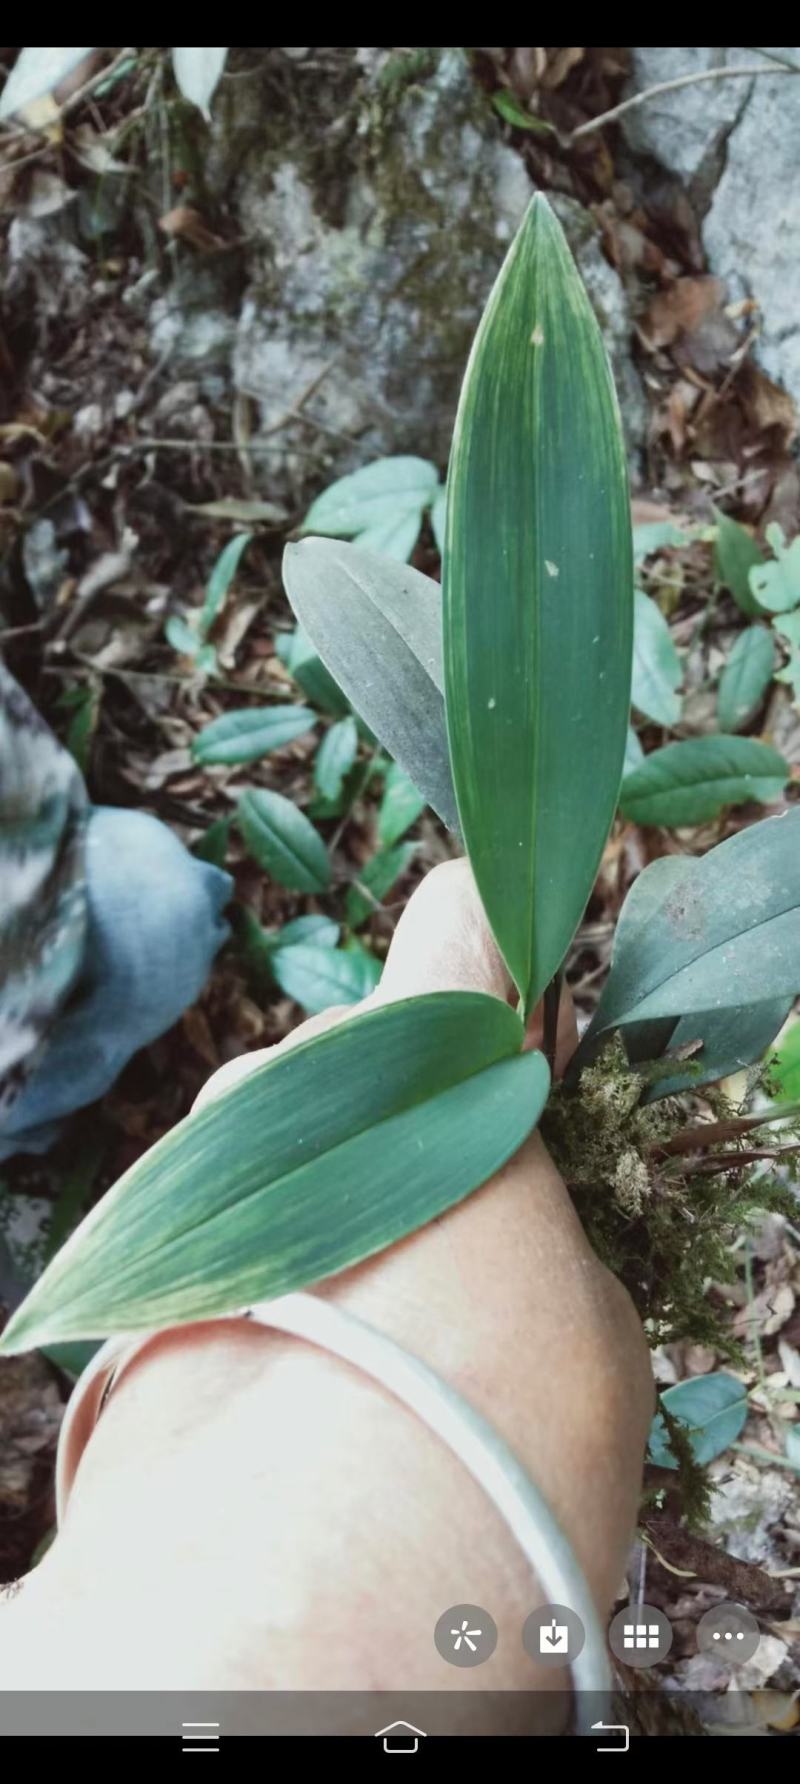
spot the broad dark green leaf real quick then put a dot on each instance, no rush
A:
(298, 655)
(281, 839)
(374, 496)
(325, 1155)
(244, 736)
(735, 554)
(220, 581)
(685, 783)
(706, 935)
(378, 877)
(745, 678)
(317, 977)
(400, 806)
(378, 626)
(538, 603)
(713, 1409)
(335, 757)
(657, 668)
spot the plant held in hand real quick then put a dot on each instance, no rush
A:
(505, 700)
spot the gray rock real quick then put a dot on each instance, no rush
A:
(737, 145)
(362, 313)
(684, 130)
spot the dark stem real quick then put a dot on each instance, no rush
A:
(552, 1000)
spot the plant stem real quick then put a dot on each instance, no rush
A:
(681, 80)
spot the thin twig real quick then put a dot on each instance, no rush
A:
(681, 80)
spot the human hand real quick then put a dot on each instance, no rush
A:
(337, 1501)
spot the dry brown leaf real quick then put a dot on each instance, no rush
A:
(559, 65)
(187, 225)
(767, 405)
(678, 310)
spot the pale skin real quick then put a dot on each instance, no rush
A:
(248, 1506)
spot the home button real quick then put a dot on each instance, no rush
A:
(400, 1737)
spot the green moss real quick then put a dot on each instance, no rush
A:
(662, 1222)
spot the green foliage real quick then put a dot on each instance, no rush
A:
(538, 603)
(289, 1177)
(298, 655)
(686, 783)
(190, 637)
(317, 977)
(335, 757)
(213, 844)
(283, 841)
(745, 678)
(713, 1412)
(381, 506)
(510, 110)
(776, 583)
(708, 934)
(784, 1066)
(657, 671)
(375, 879)
(664, 1224)
(249, 734)
(377, 625)
(735, 555)
(400, 806)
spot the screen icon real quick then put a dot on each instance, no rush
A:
(465, 1635)
(199, 1737)
(400, 1737)
(612, 1737)
(554, 1634)
(729, 1632)
(640, 1635)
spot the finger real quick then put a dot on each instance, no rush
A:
(443, 942)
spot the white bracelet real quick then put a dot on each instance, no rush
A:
(484, 1453)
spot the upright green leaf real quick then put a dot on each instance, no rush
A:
(657, 668)
(323, 1156)
(220, 581)
(378, 626)
(281, 839)
(686, 783)
(400, 806)
(735, 555)
(708, 934)
(538, 603)
(745, 678)
(246, 735)
(335, 757)
(377, 876)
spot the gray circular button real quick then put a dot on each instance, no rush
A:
(729, 1632)
(554, 1634)
(640, 1635)
(465, 1635)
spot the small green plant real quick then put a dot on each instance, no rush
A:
(502, 700)
(190, 636)
(381, 507)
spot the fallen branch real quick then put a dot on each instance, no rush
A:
(673, 86)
